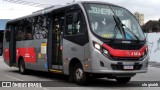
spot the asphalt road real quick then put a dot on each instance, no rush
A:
(60, 82)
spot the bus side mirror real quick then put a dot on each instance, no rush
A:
(75, 17)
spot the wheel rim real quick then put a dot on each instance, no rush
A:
(79, 74)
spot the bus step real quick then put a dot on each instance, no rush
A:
(55, 71)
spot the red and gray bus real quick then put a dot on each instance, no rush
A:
(82, 40)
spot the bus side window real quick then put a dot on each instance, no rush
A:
(40, 27)
(18, 33)
(69, 26)
(74, 24)
(8, 33)
(28, 35)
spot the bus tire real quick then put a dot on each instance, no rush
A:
(123, 79)
(22, 68)
(79, 76)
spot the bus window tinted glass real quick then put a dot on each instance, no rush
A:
(8, 33)
(40, 27)
(74, 24)
(23, 30)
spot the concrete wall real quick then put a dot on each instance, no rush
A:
(154, 46)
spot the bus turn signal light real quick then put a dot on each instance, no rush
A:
(86, 66)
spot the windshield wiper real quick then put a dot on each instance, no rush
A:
(119, 25)
(127, 28)
(132, 32)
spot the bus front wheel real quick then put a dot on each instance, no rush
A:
(79, 75)
(22, 69)
(123, 79)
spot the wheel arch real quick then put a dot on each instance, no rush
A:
(72, 64)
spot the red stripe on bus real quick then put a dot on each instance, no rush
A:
(28, 54)
(124, 53)
(6, 54)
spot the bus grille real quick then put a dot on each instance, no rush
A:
(126, 59)
(126, 46)
(120, 67)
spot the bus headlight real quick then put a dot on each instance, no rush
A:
(105, 51)
(97, 46)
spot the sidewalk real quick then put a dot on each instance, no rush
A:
(154, 64)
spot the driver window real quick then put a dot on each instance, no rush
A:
(74, 27)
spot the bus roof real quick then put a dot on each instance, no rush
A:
(50, 9)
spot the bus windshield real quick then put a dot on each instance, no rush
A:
(113, 22)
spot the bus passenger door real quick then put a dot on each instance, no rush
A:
(58, 22)
(12, 47)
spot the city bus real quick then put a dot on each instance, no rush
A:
(83, 40)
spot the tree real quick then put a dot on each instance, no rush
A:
(151, 26)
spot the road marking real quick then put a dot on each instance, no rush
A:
(45, 89)
(12, 77)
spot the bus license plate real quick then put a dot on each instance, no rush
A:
(128, 67)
